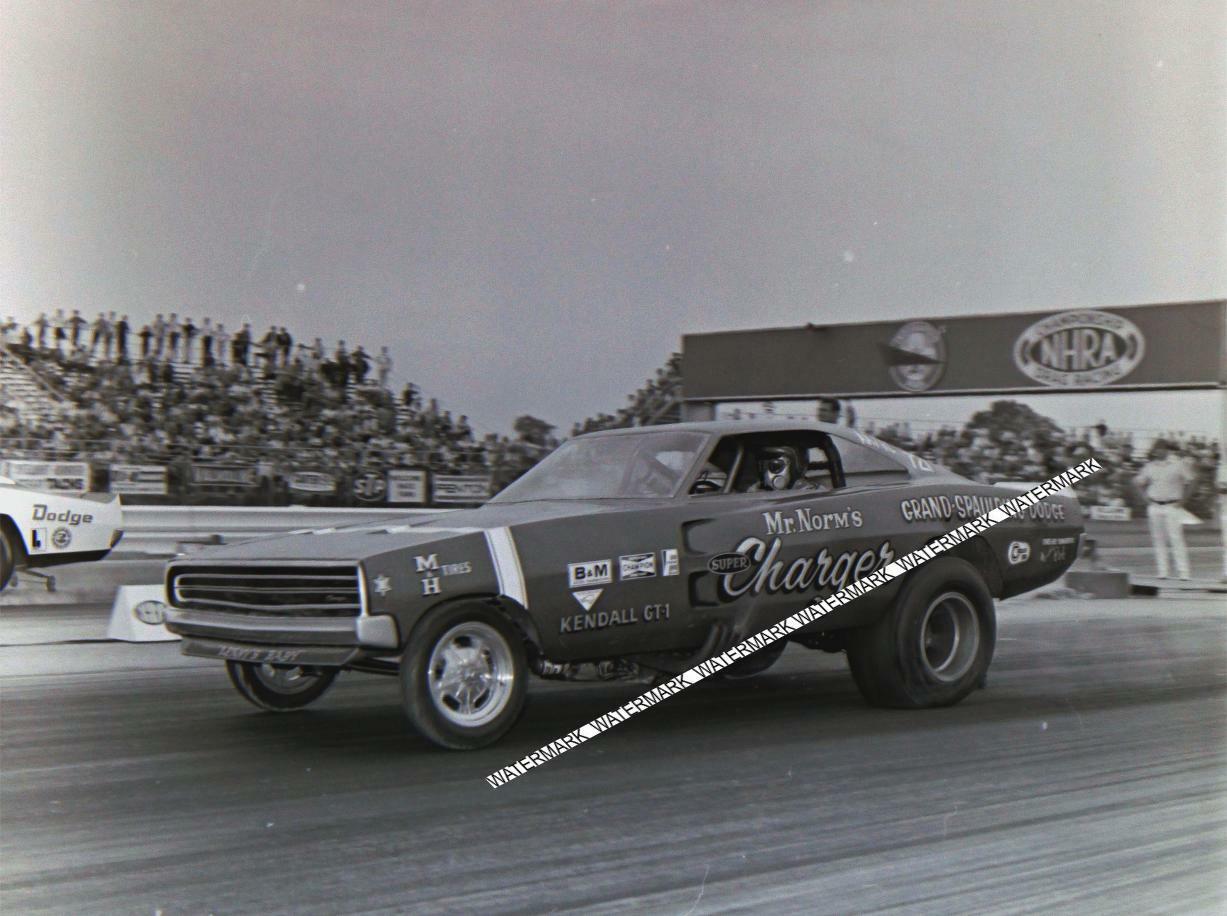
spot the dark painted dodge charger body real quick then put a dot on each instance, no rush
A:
(629, 553)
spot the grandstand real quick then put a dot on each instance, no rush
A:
(265, 411)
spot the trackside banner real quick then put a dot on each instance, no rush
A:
(1182, 345)
(52, 476)
(448, 488)
(802, 618)
(143, 479)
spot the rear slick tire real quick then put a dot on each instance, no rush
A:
(8, 557)
(934, 646)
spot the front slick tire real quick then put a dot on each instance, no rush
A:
(463, 677)
(934, 646)
(280, 688)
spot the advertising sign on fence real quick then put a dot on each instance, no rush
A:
(405, 486)
(145, 479)
(370, 486)
(1110, 513)
(312, 482)
(447, 488)
(223, 475)
(54, 476)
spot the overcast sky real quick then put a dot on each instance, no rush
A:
(531, 202)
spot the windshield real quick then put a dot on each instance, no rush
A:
(609, 467)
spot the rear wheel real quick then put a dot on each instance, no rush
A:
(934, 646)
(463, 678)
(280, 688)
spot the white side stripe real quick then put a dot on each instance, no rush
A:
(507, 564)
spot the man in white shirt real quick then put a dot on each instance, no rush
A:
(1220, 484)
(1165, 481)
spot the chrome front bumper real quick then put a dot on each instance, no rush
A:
(377, 632)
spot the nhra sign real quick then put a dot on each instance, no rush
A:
(223, 475)
(143, 479)
(312, 482)
(370, 486)
(50, 476)
(405, 486)
(448, 488)
(1176, 345)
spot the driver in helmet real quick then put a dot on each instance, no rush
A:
(780, 468)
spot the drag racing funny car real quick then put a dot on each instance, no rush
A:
(48, 529)
(631, 553)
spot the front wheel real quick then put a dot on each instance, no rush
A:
(8, 558)
(280, 688)
(934, 646)
(463, 677)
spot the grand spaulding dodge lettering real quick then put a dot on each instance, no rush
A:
(628, 554)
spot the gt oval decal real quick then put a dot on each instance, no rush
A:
(728, 563)
(1084, 348)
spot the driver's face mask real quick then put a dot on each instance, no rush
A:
(775, 473)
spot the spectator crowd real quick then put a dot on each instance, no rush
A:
(175, 393)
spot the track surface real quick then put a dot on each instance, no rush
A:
(1091, 775)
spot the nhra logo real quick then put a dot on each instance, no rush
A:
(915, 356)
(1083, 349)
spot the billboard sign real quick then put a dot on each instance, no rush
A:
(50, 476)
(142, 479)
(449, 488)
(1154, 346)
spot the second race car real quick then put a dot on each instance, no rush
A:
(49, 529)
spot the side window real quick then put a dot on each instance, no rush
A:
(864, 466)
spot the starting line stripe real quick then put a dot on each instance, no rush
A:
(805, 616)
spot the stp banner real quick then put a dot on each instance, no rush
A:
(53, 476)
(145, 479)
(449, 488)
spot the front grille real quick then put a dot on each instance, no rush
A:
(301, 591)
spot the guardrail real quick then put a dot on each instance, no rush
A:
(158, 530)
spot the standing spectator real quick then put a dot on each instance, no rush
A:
(145, 336)
(189, 331)
(242, 343)
(1166, 481)
(121, 340)
(97, 332)
(76, 323)
(1220, 484)
(410, 395)
(108, 335)
(223, 343)
(341, 358)
(42, 324)
(61, 336)
(383, 363)
(159, 333)
(206, 344)
(172, 333)
(362, 365)
(285, 343)
(268, 350)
